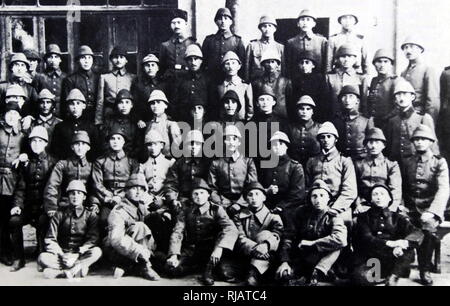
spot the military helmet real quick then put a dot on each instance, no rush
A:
(19, 57)
(375, 134)
(76, 185)
(307, 13)
(347, 49)
(403, 85)
(309, 55)
(267, 19)
(193, 50)
(46, 94)
(200, 183)
(117, 130)
(137, 179)
(224, 11)
(40, 132)
(153, 136)
(52, 49)
(327, 128)
(383, 53)
(267, 90)
(413, 40)
(118, 50)
(84, 50)
(348, 14)
(232, 130)
(158, 95)
(306, 100)
(32, 55)
(230, 55)
(15, 90)
(349, 89)
(123, 94)
(253, 186)
(232, 95)
(81, 136)
(423, 131)
(320, 184)
(177, 13)
(379, 185)
(76, 94)
(194, 135)
(271, 55)
(280, 136)
(150, 58)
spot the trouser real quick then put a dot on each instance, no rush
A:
(37, 219)
(306, 260)
(366, 272)
(430, 240)
(5, 213)
(161, 228)
(53, 261)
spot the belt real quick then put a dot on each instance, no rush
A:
(114, 184)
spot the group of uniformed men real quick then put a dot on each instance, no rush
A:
(87, 159)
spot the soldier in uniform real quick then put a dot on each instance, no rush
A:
(306, 40)
(12, 142)
(231, 65)
(76, 167)
(309, 82)
(336, 170)
(426, 192)
(385, 235)
(350, 124)
(380, 99)
(257, 47)
(29, 196)
(172, 52)
(181, 176)
(348, 35)
(216, 45)
(303, 131)
(85, 80)
(34, 59)
(46, 114)
(72, 239)
(74, 122)
(284, 183)
(130, 244)
(400, 127)
(169, 130)
(144, 85)
(111, 83)
(53, 76)
(229, 175)
(346, 75)
(202, 232)
(259, 235)
(376, 169)
(110, 174)
(155, 170)
(422, 77)
(312, 239)
(281, 86)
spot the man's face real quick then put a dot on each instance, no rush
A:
(306, 23)
(197, 112)
(271, 66)
(17, 99)
(194, 148)
(12, 118)
(380, 197)
(38, 145)
(255, 198)
(231, 67)
(135, 193)
(305, 112)
(76, 198)
(327, 141)
(86, 62)
(404, 99)
(348, 22)
(232, 143)
(116, 142)
(230, 107)
(267, 30)
(194, 63)
(412, 51)
(200, 196)
(350, 102)
(178, 25)
(224, 23)
(80, 148)
(383, 66)
(347, 61)
(151, 69)
(119, 61)
(154, 148)
(320, 199)
(124, 106)
(306, 66)
(279, 148)
(158, 107)
(33, 64)
(45, 107)
(422, 144)
(19, 68)
(76, 108)
(53, 61)
(375, 147)
(266, 103)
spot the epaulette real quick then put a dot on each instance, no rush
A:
(360, 36)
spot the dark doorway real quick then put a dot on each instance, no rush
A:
(287, 28)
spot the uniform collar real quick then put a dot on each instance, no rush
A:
(375, 161)
(306, 124)
(122, 72)
(148, 80)
(51, 72)
(117, 156)
(192, 160)
(49, 119)
(204, 208)
(40, 156)
(79, 161)
(376, 211)
(265, 40)
(407, 113)
(178, 39)
(350, 72)
(272, 77)
(330, 155)
(414, 63)
(306, 35)
(225, 34)
(88, 73)
(77, 210)
(235, 80)
(161, 118)
(261, 214)
(350, 115)
(425, 157)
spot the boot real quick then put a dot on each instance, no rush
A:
(253, 278)
(392, 280)
(50, 273)
(149, 273)
(316, 277)
(425, 278)
(17, 265)
(207, 278)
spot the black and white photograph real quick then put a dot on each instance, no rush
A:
(228, 144)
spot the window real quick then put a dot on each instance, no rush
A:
(93, 33)
(124, 2)
(20, 2)
(22, 34)
(56, 33)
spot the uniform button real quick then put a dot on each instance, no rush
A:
(379, 233)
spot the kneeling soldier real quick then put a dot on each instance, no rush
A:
(426, 192)
(202, 231)
(130, 243)
(71, 242)
(386, 236)
(259, 234)
(313, 239)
